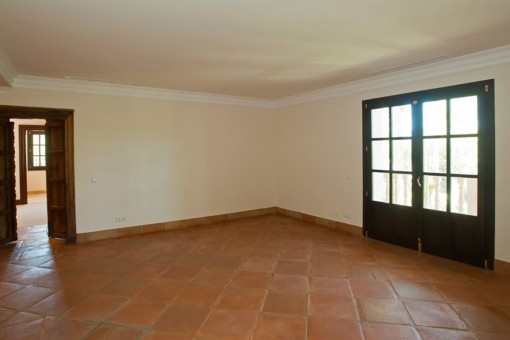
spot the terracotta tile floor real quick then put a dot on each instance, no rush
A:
(262, 278)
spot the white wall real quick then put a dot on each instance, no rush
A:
(319, 170)
(36, 180)
(320, 152)
(157, 160)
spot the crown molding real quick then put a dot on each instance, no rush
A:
(470, 62)
(101, 88)
(7, 71)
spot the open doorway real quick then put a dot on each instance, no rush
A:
(29, 157)
(59, 177)
(30, 172)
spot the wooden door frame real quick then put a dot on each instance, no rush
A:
(23, 187)
(67, 115)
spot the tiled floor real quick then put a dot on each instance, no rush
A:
(262, 278)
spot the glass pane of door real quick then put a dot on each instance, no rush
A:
(434, 118)
(464, 115)
(464, 155)
(381, 155)
(381, 187)
(464, 196)
(434, 193)
(402, 189)
(401, 121)
(434, 155)
(402, 155)
(380, 123)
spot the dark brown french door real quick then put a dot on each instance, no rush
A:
(429, 171)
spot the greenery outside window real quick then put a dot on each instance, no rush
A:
(36, 150)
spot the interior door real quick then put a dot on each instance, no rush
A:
(7, 192)
(429, 171)
(55, 178)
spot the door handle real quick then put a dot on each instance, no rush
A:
(418, 180)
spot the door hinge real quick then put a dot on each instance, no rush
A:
(366, 106)
(366, 233)
(485, 264)
(366, 193)
(486, 88)
(419, 245)
(366, 147)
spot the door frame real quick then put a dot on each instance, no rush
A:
(67, 115)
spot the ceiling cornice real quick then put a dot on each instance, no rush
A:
(7, 71)
(471, 62)
(80, 86)
(488, 58)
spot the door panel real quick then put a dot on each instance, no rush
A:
(428, 175)
(55, 178)
(403, 220)
(465, 239)
(437, 225)
(395, 226)
(382, 222)
(389, 174)
(7, 192)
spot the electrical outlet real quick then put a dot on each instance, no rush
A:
(120, 219)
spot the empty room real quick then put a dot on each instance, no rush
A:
(254, 169)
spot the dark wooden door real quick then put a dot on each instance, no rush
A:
(390, 208)
(429, 171)
(56, 178)
(455, 144)
(7, 192)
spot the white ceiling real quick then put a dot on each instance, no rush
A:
(259, 49)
